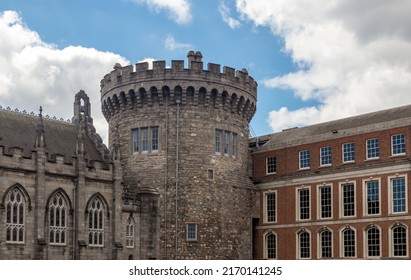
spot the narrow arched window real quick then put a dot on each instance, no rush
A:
(326, 244)
(58, 220)
(15, 216)
(96, 222)
(271, 246)
(399, 241)
(130, 233)
(373, 242)
(348, 236)
(304, 245)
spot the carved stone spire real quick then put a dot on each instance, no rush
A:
(80, 150)
(82, 108)
(40, 133)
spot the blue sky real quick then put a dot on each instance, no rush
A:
(313, 60)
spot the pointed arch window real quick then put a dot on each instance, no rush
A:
(96, 222)
(15, 217)
(130, 233)
(58, 220)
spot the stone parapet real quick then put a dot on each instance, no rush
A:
(135, 87)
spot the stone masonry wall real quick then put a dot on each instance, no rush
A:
(222, 206)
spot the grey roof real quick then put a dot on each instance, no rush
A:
(19, 130)
(380, 120)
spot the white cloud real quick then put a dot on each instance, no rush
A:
(179, 10)
(36, 74)
(149, 60)
(351, 57)
(171, 44)
(225, 14)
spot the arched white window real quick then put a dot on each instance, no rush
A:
(325, 242)
(304, 245)
(130, 233)
(348, 243)
(373, 237)
(58, 220)
(399, 241)
(96, 222)
(15, 216)
(270, 246)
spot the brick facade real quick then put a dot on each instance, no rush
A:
(341, 198)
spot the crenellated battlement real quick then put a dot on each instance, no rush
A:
(137, 86)
(14, 158)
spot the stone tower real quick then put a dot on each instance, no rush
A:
(183, 133)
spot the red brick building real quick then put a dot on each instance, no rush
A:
(335, 190)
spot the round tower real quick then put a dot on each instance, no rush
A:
(183, 132)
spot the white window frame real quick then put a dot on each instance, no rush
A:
(365, 238)
(267, 165)
(344, 153)
(308, 158)
(326, 154)
(365, 196)
(391, 240)
(367, 149)
(393, 144)
(341, 184)
(299, 244)
(342, 248)
(266, 255)
(319, 208)
(298, 209)
(319, 242)
(390, 194)
(265, 205)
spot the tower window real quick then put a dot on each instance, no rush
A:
(145, 140)
(226, 143)
(191, 232)
(210, 174)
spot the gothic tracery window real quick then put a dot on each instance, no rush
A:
(130, 233)
(58, 220)
(96, 222)
(15, 216)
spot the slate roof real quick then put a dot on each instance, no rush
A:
(380, 120)
(19, 130)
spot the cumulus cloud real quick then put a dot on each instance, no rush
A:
(179, 10)
(351, 57)
(171, 44)
(225, 14)
(149, 60)
(35, 73)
